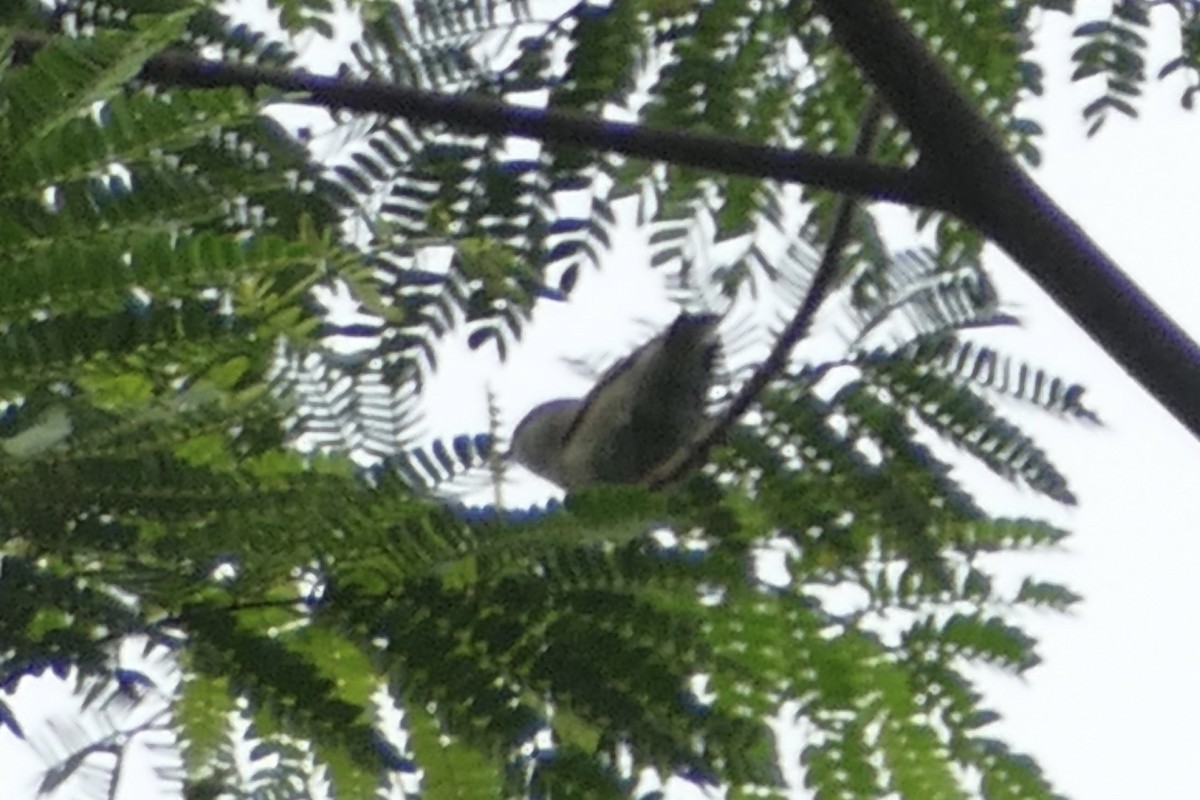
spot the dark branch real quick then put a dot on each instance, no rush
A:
(965, 170)
(484, 115)
(990, 191)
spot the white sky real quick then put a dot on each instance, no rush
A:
(1112, 712)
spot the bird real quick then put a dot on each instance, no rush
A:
(643, 410)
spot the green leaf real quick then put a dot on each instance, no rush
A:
(84, 72)
(453, 769)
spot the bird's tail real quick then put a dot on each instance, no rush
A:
(691, 332)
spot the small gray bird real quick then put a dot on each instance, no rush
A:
(645, 408)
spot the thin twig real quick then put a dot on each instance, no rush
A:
(822, 283)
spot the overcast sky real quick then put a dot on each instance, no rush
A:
(1112, 712)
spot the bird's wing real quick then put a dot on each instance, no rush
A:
(633, 367)
(593, 403)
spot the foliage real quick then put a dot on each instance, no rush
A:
(1113, 47)
(164, 353)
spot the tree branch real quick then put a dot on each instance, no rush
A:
(964, 170)
(484, 115)
(822, 283)
(990, 191)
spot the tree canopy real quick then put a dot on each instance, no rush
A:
(198, 458)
